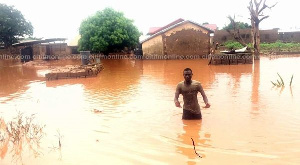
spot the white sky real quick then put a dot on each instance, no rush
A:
(61, 18)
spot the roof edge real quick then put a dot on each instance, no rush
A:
(175, 25)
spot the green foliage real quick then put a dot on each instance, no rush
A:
(12, 25)
(233, 45)
(279, 46)
(108, 31)
(240, 25)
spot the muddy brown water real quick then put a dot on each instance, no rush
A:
(126, 114)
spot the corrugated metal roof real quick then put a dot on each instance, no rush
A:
(152, 30)
(32, 42)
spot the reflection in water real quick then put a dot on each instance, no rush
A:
(55, 148)
(170, 72)
(255, 85)
(14, 79)
(117, 83)
(192, 129)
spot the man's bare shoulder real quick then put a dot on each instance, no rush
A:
(196, 82)
(180, 83)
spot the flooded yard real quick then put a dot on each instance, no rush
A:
(126, 114)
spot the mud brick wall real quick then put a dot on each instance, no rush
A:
(187, 42)
(269, 36)
(184, 39)
(153, 46)
(289, 36)
(11, 51)
(40, 49)
(221, 36)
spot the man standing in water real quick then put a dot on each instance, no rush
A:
(189, 89)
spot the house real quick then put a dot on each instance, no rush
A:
(41, 49)
(181, 37)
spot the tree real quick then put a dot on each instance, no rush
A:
(233, 28)
(256, 12)
(12, 25)
(239, 25)
(108, 31)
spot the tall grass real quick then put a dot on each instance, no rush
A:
(20, 133)
(291, 81)
(280, 83)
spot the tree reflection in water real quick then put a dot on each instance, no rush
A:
(20, 134)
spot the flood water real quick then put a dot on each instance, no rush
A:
(126, 114)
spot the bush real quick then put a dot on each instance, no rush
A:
(277, 46)
(233, 45)
(280, 46)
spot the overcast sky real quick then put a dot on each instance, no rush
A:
(61, 18)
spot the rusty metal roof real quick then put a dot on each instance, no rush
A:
(33, 42)
(152, 30)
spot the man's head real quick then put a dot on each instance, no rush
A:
(187, 74)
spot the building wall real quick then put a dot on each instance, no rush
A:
(72, 50)
(187, 39)
(58, 49)
(55, 49)
(11, 51)
(40, 49)
(289, 36)
(269, 36)
(154, 46)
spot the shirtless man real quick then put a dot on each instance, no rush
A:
(189, 89)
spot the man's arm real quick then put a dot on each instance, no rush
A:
(177, 103)
(207, 105)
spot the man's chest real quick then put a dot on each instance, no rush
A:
(189, 89)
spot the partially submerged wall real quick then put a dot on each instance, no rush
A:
(187, 39)
(153, 46)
